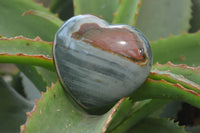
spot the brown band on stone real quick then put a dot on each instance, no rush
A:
(117, 40)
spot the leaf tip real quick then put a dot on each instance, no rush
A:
(27, 12)
(113, 110)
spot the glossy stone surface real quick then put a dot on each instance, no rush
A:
(98, 63)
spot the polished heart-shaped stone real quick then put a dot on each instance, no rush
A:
(98, 63)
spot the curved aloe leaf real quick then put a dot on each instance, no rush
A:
(39, 76)
(101, 8)
(161, 18)
(26, 46)
(50, 17)
(161, 89)
(175, 79)
(191, 73)
(48, 76)
(36, 78)
(64, 8)
(66, 115)
(182, 49)
(157, 125)
(139, 111)
(30, 90)
(12, 23)
(195, 129)
(127, 12)
(171, 110)
(25, 59)
(13, 108)
(195, 25)
(21, 50)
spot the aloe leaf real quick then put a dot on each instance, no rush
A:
(161, 18)
(191, 73)
(13, 108)
(100, 8)
(36, 78)
(16, 83)
(120, 115)
(127, 12)
(27, 46)
(30, 89)
(21, 50)
(139, 111)
(48, 76)
(50, 17)
(182, 49)
(64, 8)
(40, 77)
(66, 115)
(12, 23)
(28, 60)
(195, 129)
(161, 89)
(195, 25)
(174, 78)
(171, 110)
(157, 125)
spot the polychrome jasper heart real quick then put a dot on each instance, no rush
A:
(98, 63)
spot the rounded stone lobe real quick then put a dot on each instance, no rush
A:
(98, 63)
(117, 40)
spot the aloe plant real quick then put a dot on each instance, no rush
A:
(33, 100)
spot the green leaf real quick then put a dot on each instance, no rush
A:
(57, 112)
(30, 89)
(127, 12)
(175, 79)
(27, 60)
(171, 110)
(40, 77)
(48, 76)
(100, 8)
(12, 23)
(64, 8)
(16, 83)
(36, 78)
(120, 115)
(26, 46)
(13, 108)
(50, 17)
(157, 125)
(195, 129)
(161, 89)
(195, 25)
(191, 73)
(22, 50)
(139, 111)
(161, 18)
(182, 49)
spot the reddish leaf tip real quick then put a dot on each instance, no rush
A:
(28, 12)
(114, 109)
